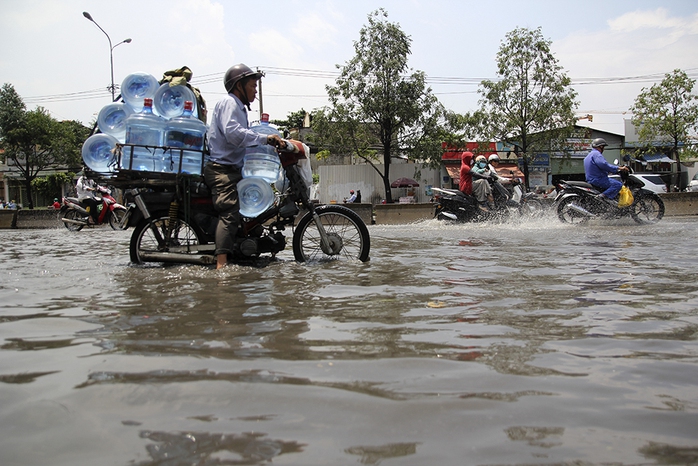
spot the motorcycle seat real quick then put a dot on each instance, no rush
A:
(453, 192)
(581, 184)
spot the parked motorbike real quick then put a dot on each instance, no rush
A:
(452, 204)
(177, 225)
(75, 216)
(578, 201)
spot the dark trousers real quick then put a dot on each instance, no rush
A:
(222, 180)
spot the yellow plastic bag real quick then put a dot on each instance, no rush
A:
(625, 197)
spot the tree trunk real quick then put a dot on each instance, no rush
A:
(525, 172)
(386, 185)
(28, 187)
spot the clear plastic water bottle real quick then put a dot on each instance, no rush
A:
(169, 101)
(262, 161)
(112, 120)
(136, 87)
(255, 196)
(97, 152)
(186, 132)
(145, 129)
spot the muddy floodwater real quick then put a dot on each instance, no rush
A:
(520, 343)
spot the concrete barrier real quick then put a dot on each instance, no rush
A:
(396, 214)
(680, 203)
(365, 211)
(8, 218)
(38, 218)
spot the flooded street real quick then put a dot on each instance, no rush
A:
(470, 344)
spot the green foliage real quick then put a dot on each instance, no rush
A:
(294, 120)
(532, 103)
(378, 111)
(667, 114)
(50, 186)
(33, 141)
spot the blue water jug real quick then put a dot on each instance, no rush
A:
(188, 133)
(255, 196)
(262, 161)
(136, 87)
(144, 129)
(112, 120)
(168, 101)
(98, 154)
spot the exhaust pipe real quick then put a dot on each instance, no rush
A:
(74, 222)
(448, 215)
(581, 210)
(178, 258)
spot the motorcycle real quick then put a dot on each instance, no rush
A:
(452, 204)
(577, 202)
(75, 216)
(177, 224)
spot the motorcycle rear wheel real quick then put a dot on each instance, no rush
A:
(73, 215)
(567, 214)
(149, 237)
(116, 219)
(647, 208)
(348, 235)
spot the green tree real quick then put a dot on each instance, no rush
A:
(667, 113)
(33, 141)
(378, 111)
(293, 121)
(51, 185)
(531, 104)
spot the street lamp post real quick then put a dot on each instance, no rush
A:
(112, 87)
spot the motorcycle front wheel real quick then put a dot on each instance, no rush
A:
(567, 213)
(116, 219)
(73, 215)
(647, 208)
(347, 235)
(153, 236)
(532, 208)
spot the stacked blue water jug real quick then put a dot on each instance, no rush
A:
(261, 168)
(157, 123)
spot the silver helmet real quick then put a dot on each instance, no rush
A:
(598, 142)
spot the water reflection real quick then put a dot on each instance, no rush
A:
(203, 448)
(376, 454)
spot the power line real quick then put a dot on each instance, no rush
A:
(331, 75)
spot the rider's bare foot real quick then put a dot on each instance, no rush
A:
(221, 261)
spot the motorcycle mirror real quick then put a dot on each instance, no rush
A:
(615, 162)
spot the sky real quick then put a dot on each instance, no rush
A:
(611, 49)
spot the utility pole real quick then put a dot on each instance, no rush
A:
(261, 100)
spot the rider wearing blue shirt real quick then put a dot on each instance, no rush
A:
(597, 168)
(228, 136)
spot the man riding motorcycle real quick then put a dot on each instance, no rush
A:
(228, 136)
(597, 169)
(86, 188)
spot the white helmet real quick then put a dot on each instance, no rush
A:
(480, 158)
(493, 158)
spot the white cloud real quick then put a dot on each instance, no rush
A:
(314, 31)
(634, 44)
(274, 47)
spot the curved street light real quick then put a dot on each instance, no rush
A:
(112, 87)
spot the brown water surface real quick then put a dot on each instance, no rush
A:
(522, 343)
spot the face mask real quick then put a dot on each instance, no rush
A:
(481, 164)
